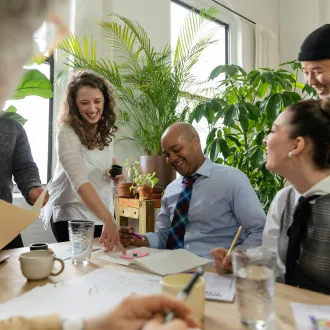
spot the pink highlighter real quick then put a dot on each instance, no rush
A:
(138, 236)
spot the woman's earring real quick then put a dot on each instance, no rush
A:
(290, 154)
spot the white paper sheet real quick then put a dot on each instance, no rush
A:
(219, 287)
(85, 296)
(311, 317)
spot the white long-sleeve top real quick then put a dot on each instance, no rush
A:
(77, 165)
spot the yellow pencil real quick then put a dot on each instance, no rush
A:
(235, 239)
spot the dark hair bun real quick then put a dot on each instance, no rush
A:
(311, 119)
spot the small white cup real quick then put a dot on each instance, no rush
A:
(39, 264)
(173, 284)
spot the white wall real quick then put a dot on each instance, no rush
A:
(265, 12)
(298, 18)
(242, 32)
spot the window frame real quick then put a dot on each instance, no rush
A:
(216, 20)
(51, 62)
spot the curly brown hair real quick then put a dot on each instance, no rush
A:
(105, 128)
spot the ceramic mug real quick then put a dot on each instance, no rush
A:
(38, 246)
(173, 284)
(39, 264)
(115, 170)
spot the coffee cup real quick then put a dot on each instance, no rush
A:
(39, 264)
(115, 170)
(38, 246)
(173, 284)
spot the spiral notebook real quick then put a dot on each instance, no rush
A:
(161, 262)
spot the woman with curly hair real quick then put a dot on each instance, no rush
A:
(80, 189)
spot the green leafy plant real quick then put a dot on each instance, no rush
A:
(240, 116)
(33, 83)
(152, 87)
(130, 168)
(146, 180)
(143, 180)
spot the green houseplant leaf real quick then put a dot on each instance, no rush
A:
(11, 112)
(250, 102)
(33, 83)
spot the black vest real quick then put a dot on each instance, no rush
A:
(313, 266)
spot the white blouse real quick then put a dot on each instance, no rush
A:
(77, 165)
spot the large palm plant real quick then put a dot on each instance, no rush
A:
(152, 87)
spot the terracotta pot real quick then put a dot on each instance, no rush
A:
(124, 191)
(164, 172)
(145, 192)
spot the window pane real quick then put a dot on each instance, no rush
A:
(36, 110)
(213, 56)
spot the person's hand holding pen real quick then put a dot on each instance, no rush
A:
(222, 256)
(145, 312)
(129, 237)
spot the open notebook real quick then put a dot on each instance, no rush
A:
(161, 262)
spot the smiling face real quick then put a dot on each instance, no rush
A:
(183, 151)
(279, 144)
(90, 103)
(317, 75)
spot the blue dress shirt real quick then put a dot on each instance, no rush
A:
(222, 200)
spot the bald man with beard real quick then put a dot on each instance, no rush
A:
(207, 211)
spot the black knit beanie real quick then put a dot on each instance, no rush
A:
(316, 46)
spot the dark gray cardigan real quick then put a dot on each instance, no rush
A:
(16, 160)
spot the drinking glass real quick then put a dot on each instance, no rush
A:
(81, 235)
(254, 273)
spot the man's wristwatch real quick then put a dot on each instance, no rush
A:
(73, 324)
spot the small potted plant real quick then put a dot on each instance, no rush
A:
(124, 188)
(144, 183)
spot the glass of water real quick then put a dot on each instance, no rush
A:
(81, 235)
(254, 273)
